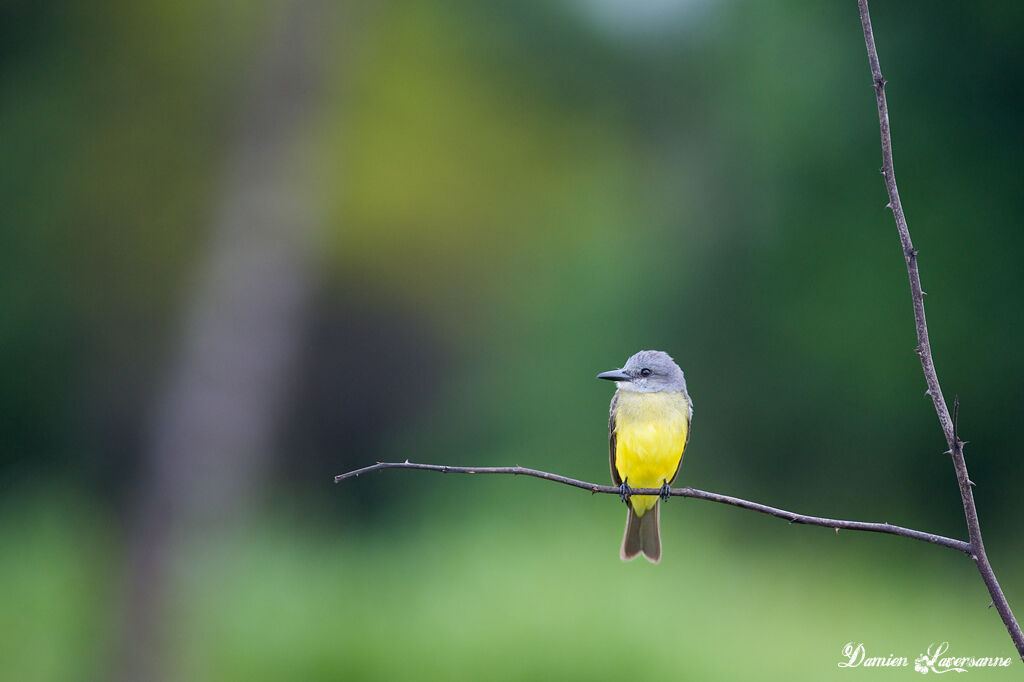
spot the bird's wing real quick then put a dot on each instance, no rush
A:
(611, 439)
(689, 422)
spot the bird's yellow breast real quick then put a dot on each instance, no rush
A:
(650, 437)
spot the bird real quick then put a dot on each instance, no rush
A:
(648, 430)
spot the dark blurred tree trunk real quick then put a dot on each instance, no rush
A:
(216, 416)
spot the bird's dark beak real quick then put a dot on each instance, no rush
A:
(614, 375)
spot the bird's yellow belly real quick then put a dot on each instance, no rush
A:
(650, 436)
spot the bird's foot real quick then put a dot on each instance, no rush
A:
(625, 492)
(666, 492)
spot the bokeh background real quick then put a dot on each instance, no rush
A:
(251, 245)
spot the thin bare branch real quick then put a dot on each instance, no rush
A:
(924, 350)
(792, 517)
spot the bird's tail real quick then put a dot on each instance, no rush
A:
(643, 535)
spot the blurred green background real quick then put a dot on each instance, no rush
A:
(251, 245)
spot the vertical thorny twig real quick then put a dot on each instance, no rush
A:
(949, 425)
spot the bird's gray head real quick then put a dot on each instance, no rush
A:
(649, 371)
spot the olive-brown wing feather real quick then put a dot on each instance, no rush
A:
(612, 440)
(689, 422)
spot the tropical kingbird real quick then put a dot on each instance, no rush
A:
(648, 429)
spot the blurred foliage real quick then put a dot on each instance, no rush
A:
(503, 598)
(517, 196)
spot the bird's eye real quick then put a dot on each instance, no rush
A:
(645, 372)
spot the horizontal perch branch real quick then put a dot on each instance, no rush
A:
(792, 517)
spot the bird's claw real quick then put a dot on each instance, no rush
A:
(625, 492)
(666, 492)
